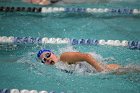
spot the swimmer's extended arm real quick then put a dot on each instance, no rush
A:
(40, 2)
(73, 57)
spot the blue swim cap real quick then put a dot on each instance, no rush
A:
(42, 51)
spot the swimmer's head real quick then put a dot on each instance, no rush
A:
(47, 57)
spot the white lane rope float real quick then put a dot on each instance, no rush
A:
(46, 40)
(45, 10)
(26, 91)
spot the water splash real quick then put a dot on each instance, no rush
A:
(100, 58)
(32, 64)
(82, 68)
(130, 68)
(68, 48)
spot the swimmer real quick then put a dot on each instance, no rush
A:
(42, 2)
(49, 2)
(48, 57)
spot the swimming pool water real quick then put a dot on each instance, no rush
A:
(20, 69)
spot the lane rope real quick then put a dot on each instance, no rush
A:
(44, 10)
(46, 40)
(26, 91)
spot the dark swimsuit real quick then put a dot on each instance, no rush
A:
(54, 1)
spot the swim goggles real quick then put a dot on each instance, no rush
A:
(47, 55)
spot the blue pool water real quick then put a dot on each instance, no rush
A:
(20, 69)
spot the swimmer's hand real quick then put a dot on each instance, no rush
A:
(113, 66)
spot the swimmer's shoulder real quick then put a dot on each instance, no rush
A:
(71, 57)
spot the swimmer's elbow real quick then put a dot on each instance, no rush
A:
(93, 62)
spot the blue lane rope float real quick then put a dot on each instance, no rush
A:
(26, 91)
(4, 90)
(45, 40)
(43, 10)
(134, 45)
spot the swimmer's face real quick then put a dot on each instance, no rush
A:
(48, 58)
